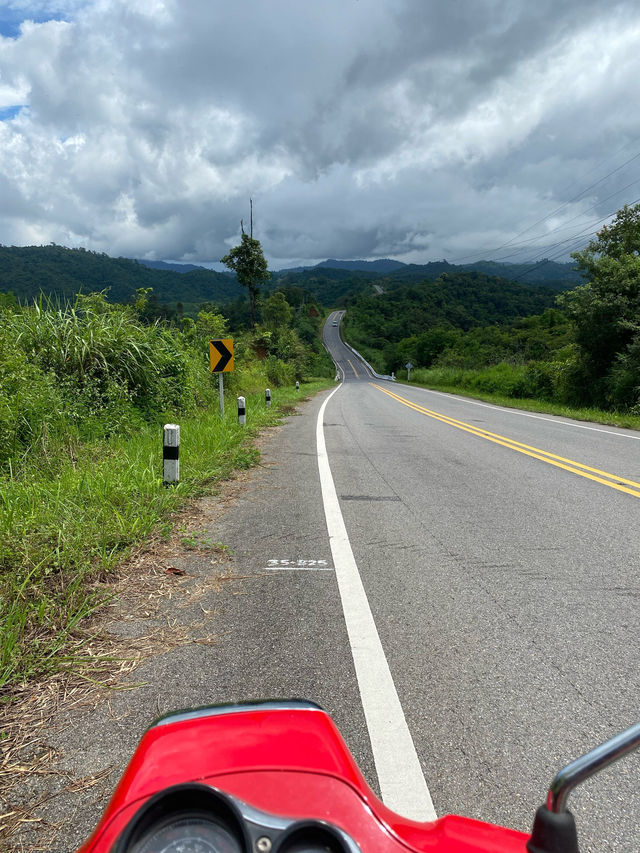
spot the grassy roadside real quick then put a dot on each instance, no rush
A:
(66, 521)
(600, 416)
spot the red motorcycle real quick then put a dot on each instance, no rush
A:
(277, 777)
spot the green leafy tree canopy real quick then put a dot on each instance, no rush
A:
(605, 312)
(250, 267)
(276, 311)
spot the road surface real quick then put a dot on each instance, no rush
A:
(456, 583)
(498, 553)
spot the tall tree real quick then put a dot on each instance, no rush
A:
(249, 265)
(605, 312)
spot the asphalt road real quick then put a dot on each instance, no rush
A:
(445, 577)
(499, 552)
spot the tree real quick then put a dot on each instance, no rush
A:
(249, 265)
(276, 311)
(605, 312)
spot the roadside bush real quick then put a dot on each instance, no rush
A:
(503, 378)
(30, 401)
(279, 372)
(94, 343)
(540, 380)
(623, 380)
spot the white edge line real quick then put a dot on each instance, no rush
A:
(521, 413)
(402, 783)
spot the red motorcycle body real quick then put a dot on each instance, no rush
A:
(287, 761)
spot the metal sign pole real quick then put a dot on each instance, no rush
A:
(221, 388)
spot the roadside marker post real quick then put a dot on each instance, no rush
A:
(297, 385)
(221, 361)
(267, 397)
(171, 454)
(408, 365)
(242, 411)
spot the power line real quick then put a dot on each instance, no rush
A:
(593, 207)
(562, 206)
(584, 241)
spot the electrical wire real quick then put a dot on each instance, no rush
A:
(593, 207)
(584, 241)
(561, 207)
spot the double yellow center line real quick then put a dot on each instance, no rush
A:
(622, 484)
(355, 371)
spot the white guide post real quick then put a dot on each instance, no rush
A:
(171, 454)
(242, 411)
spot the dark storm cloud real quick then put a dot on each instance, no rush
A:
(362, 128)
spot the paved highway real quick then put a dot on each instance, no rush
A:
(457, 584)
(499, 552)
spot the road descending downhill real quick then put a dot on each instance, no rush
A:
(499, 554)
(455, 583)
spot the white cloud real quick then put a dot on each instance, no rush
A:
(360, 128)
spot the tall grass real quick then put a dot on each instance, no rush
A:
(63, 527)
(84, 390)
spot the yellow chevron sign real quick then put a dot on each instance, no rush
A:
(221, 355)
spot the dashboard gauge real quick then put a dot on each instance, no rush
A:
(188, 834)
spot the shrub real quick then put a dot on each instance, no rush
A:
(279, 372)
(31, 402)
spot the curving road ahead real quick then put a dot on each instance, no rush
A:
(500, 554)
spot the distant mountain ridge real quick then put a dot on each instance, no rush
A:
(28, 271)
(166, 265)
(542, 271)
(384, 265)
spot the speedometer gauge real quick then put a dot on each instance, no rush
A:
(188, 835)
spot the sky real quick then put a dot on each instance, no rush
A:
(408, 129)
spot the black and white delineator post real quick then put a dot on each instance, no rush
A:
(242, 411)
(297, 385)
(267, 397)
(171, 454)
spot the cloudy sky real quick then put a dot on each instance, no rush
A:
(411, 129)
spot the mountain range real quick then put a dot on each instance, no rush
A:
(28, 271)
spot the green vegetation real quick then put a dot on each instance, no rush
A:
(605, 315)
(28, 271)
(84, 391)
(250, 267)
(180, 289)
(475, 334)
(420, 320)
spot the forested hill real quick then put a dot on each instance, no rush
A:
(27, 271)
(544, 272)
(333, 285)
(60, 272)
(459, 300)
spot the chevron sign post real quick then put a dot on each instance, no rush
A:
(221, 361)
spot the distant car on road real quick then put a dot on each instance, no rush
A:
(335, 322)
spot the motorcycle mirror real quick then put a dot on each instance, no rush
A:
(554, 828)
